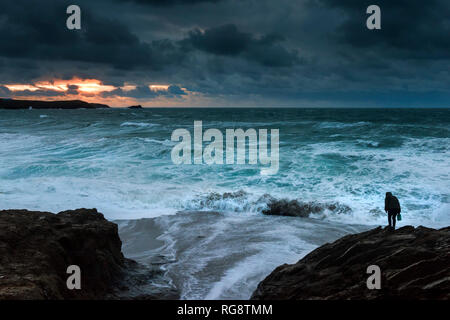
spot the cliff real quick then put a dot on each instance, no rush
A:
(36, 104)
(37, 247)
(414, 263)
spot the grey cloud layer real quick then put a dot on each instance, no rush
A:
(165, 3)
(250, 52)
(227, 40)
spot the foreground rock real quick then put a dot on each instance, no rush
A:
(414, 263)
(37, 104)
(37, 247)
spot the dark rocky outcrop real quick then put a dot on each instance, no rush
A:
(37, 247)
(296, 208)
(135, 107)
(414, 263)
(37, 104)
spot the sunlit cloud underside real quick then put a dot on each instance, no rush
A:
(95, 91)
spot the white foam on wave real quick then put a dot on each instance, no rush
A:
(241, 279)
(138, 124)
(15, 144)
(219, 256)
(117, 200)
(341, 125)
(129, 177)
(345, 172)
(368, 143)
(165, 142)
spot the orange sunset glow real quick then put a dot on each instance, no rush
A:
(83, 85)
(90, 90)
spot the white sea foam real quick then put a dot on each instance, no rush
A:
(341, 125)
(120, 164)
(138, 124)
(218, 256)
(128, 173)
(165, 142)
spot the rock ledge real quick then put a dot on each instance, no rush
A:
(37, 247)
(414, 263)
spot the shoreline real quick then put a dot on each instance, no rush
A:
(158, 270)
(12, 104)
(380, 264)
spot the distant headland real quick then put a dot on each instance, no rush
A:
(37, 104)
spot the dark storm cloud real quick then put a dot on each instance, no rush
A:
(410, 29)
(144, 92)
(140, 92)
(223, 40)
(164, 3)
(277, 52)
(4, 91)
(37, 31)
(176, 91)
(227, 40)
(72, 89)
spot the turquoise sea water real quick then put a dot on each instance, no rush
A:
(118, 161)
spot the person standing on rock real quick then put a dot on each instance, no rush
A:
(392, 208)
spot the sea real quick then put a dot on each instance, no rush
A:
(203, 225)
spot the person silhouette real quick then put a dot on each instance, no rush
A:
(392, 208)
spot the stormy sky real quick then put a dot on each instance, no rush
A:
(280, 53)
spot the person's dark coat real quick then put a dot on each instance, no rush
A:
(391, 203)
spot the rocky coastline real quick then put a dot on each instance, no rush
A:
(37, 247)
(414, 265)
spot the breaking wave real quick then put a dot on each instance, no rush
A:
(244, 202)
(120, 162)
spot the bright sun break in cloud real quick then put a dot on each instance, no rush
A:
(94, 90)
(82, 86)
